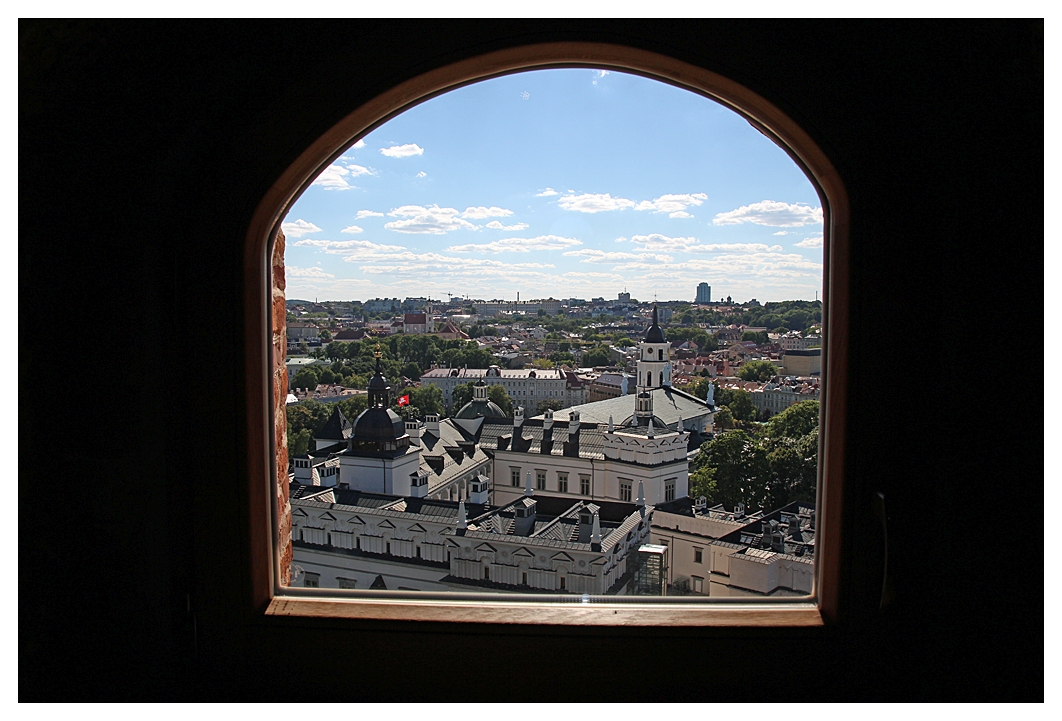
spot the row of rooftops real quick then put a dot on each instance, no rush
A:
(535, 520)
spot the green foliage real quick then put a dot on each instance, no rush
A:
(461, 394)
(326, 335)
(499, 395)
(298, 443)
(760, 468)
(428, 399)
(796, 421)
(758, 370)
(552, 404)
(723, 419)
(562, 357)
(758, 338)
(596, 357)
(705, 341)
(307, 377)
(542, 363)
(738, 401)
(411, 370)
(702, 483)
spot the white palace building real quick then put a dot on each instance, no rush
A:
(556, 503)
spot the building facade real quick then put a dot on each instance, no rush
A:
(704, 293)
(528, 387)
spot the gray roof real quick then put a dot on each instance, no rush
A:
(448, 445)
(668, 405)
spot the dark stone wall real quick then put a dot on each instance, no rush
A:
(144, 148)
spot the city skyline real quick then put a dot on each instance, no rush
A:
(563, 183)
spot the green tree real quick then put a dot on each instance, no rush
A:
(304, 347)
(461, 394)
(702, 483)
(758, 370)
(596, 357)
(500, 396)
(326, 335)
(562, 357)
(551, 404)
(298, 443)
(307, 377)
(428, 399)
(724, 419)
(796, 421)
(411, 370)
(758, 338)
(740, 404)
(542, 363)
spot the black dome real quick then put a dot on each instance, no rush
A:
(378, 424)
(378, 383)
(654, 334)
(475, 409)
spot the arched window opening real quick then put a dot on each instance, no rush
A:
(393, 252)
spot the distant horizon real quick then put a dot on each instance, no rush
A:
(561, 183)
(531, 300)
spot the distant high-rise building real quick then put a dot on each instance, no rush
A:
(624, 297)
(704, 293)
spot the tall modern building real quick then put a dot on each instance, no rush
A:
(704, 293)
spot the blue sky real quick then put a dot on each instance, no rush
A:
(563, 183)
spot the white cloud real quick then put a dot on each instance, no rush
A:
(733, 248)
(480, 212)
(598, 74)
(656, 241)
(813, 242)
(496, 225)
(546, 193)
(771, 212)
(781, 232)
(356, 170)
(352, 229)
(594, 203)
(621, 239)
(673, 203)
(592, 255)
(293, 271)
(334, 177)
(339, 247)
(359, 144)
(517, 245)
(422, 174)
(433, 220)
(402, 151)
(299, 228)
(368, 214)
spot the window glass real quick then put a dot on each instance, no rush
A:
(412, 245)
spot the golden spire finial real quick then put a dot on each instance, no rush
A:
(377, 354)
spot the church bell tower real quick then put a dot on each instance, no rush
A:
(654, 361)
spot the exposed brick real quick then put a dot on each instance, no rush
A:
(280, 396)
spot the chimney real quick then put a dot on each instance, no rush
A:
(418, 484)
(547, 422)
(524, 523)
(462, 519)
(413, 431)
(595, 535)
(641, 494)
(478, 489)
(611, 426)
(573, 423)
(431, 424)
(518, 417)
(528, 488)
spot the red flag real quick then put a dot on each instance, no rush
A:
(403, 401)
